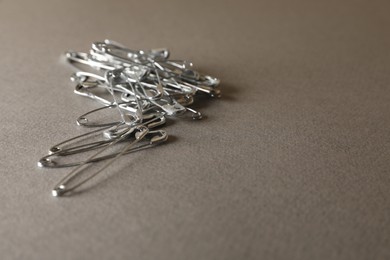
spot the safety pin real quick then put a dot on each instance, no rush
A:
(183, 71)
(62, 150)
(126, 57)
(119, 45)
(171, 107)
(204, 80)
(83, 120)
(127, 106)
(154, 138)
(181, 64)
(58, 148)
(158, 54)
(83, 76)
(172, 85)
(212, 91)
(113, 52)
(84, 58)
(161, 54)
(81, 90)
(61, 188)
(109, 133)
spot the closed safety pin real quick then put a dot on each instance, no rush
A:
(62, 187)
(153, 138)
(109, 132)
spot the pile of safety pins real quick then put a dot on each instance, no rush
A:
(143, 87)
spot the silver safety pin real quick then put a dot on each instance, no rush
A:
(63, 186)
(153, 138)
(84, 58)
(108, 132)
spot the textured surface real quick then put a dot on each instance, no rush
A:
(292, 163)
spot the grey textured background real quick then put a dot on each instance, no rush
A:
(292, 163)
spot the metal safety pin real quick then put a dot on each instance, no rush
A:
(110, 132)
(60, 147)
(83, 120)
(153, 138)
(114, 53)
(126, 106)
(158, 54)
(84, 58)
(81, 90)
(62, 187)
(127, 57)
(83, 76)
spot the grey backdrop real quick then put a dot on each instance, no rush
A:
(292, 162)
